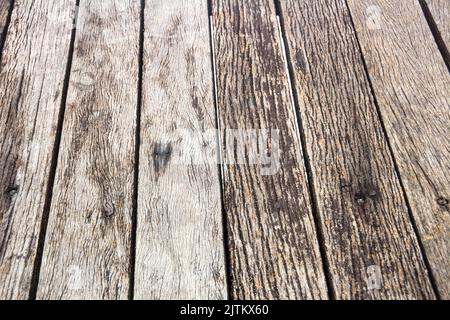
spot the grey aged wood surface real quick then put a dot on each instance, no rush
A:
(180, 249)
(88, 244)
(31, 82)
(266, 149)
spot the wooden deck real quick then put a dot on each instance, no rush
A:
(263, 149)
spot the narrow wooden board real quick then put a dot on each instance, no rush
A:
(273, 244)
(412, 86)
(363, 214)
(31, 83)
(440, 10)
(88, 244)
(5, 6)
(180, 248)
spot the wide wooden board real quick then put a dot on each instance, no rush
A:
(273, 245)
(88, 244)
(412, 87)
(363, 214)
(180, 249)
(32, 77)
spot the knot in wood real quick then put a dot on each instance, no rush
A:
(108, 212)
(12, 190)
(345, 186)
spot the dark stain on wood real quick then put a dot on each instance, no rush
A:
(12, 191)
(162, 152)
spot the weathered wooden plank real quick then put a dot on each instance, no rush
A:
(412, 86)
(31, 82)
(440, 11)
(88, 244)
(5, 6)
(363, 214)
(273, 244)
(180, 249)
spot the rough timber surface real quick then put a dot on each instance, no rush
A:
(359, 198)
(87, 249)
(412, 86)
(180, 249)
(273, 244)
(32, 76)
(327, 179)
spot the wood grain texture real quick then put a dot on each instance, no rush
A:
(5, 6)
(440, 10)
(273, 243)
(31, 82)
(412, 86)
(363, 214)
(87, 249)
(180, 249)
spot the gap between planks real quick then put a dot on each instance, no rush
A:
(440, 42)
(137, 153)
(54, 165)
(25, 217)
(4, 28)
(301, 137)
(88, 241)
(252, 275)
(219, 154)
(38, 261)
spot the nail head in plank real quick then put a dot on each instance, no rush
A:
(412, 87)
(88, 244)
